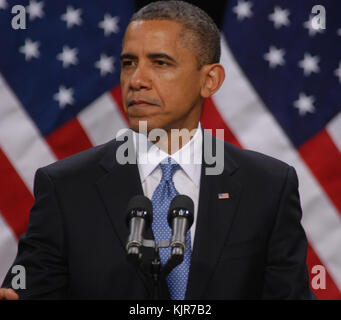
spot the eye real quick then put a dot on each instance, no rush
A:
(161, 63)
(127, 63)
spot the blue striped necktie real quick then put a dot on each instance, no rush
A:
(162, 197)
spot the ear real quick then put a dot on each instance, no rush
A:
(213, 76)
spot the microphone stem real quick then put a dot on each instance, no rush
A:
(156, 270)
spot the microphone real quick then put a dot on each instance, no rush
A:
(180, 219)
(139, 218)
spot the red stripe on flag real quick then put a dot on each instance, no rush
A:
(68, 139)
(211, 119)
(116, 93)
(324, 160)
(331, 292)
(15, 199)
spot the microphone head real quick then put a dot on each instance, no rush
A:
(140, 206)
(181, 206)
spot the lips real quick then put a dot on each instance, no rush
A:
(142, 108)
(139, 103)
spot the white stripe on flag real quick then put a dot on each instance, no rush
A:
(334, 130)
(257, 129)
(20, 139)
(101, 120)
(8, 248)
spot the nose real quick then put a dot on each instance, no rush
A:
(140, 79)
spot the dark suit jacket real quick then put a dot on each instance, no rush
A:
(250, 246)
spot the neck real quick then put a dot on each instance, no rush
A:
(175, 139)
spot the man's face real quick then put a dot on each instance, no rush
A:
(160, 79)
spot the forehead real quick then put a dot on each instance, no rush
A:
(153, 35)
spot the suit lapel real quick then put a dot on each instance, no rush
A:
(118, 186)
(116, 189)
(215, 217)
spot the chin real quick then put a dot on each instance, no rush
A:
(134, 124)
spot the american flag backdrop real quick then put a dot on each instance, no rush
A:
(60, 94)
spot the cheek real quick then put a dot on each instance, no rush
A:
(178, 93)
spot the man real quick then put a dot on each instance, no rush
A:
(246, 241)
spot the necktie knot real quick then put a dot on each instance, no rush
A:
(168, 169)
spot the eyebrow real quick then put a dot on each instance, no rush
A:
(156, 55)
(127, 56)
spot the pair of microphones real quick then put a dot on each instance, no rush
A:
(140, 217)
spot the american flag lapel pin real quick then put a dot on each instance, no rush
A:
(224, 195)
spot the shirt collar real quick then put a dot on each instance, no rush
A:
(189, 157)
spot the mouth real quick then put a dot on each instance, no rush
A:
(141, 109)
(140, 103)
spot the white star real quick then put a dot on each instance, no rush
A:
(337, 72)
(109, 24)
(308, 25)
(105, 64)
(72, 17)
(3, 4)
(309, 64)
(30, 49)
(338, 32)
(68, 56)
(243, 10)
(275, 57)
(64, 96)
(304, 104)
(280, 17)
(35, 9)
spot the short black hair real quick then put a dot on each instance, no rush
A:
(206, 42)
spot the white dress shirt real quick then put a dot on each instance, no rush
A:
(186, 179)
